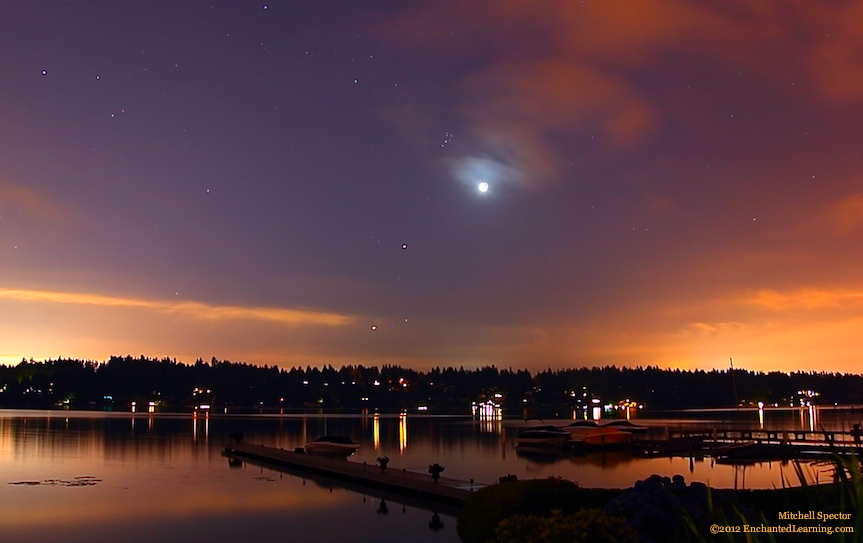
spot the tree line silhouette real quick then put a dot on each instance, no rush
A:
(176, 386)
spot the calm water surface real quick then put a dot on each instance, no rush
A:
(93, 477)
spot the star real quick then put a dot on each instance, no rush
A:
(483, 186)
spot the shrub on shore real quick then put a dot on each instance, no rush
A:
(657, 509)
(586, 526)
(667, 509)
(484, 510)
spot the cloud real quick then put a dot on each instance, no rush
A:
(517, 110)
(712, 328)
(538, 71)
(470, 170)
(804, 298)
(841, 218)
(835, 58)
(197, 310)
(29, 202)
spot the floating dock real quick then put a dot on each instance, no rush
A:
(746, 444)
(447, 491)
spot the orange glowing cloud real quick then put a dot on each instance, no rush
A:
(563, 66)
(840, 218)
(766, 329)
(836, 58)
(711, 328)
(556, 94)
(772, 329)
(805, 298)
(197, 310)
(824, 39)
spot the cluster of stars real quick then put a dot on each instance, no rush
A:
(374, 327)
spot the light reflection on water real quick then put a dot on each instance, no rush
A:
(162, 477)
(158, 479)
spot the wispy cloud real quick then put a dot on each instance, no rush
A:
(840, 218)
(804, 298)
(575, 67)
(712, 328)
(197, 310)
(32, 203)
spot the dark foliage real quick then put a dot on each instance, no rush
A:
(486, 507)
(175, 385)
(666, 509)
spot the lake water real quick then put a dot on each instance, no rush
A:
(94, 477)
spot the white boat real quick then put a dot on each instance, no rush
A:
(332, 446)
(541, 436)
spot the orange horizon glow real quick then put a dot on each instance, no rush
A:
(770, 332)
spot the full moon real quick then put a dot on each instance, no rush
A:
(483, 186)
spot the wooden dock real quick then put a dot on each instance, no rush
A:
(447, 491)
(762, 444)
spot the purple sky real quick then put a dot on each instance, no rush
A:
(670, 183)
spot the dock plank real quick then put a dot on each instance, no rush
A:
(447, 490)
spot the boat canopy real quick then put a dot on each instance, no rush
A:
(335, 439)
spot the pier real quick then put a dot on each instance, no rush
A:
(447, 491)
(746, 444)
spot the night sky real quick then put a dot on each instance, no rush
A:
(669, 182)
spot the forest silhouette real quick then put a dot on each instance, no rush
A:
(176, 386)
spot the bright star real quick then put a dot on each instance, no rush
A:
(483, 186)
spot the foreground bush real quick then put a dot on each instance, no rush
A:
(586, 526)
(657, 509)
(666, 509)
(538, 497)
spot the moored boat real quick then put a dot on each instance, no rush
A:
(548, 436)
(332, 446)
(591, 434)
(603, 436)
(580, 426)
(623, 424)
